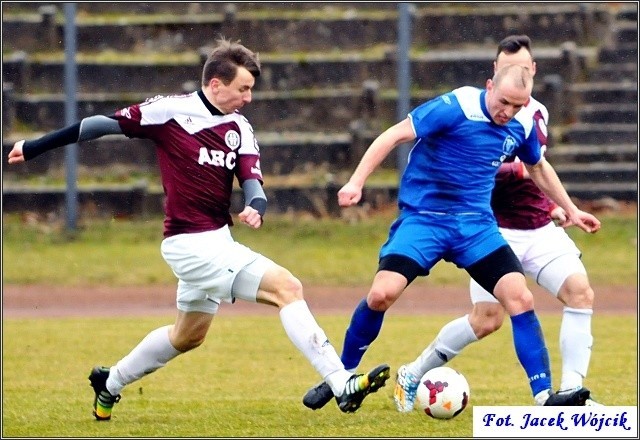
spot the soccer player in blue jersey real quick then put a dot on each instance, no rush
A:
(203, 144)
(461, 139)
(548, 256)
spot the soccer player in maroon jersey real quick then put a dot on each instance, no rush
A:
(548, 255)
(203, 142)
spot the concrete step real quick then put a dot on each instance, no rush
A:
(626, 31)
(323, 110)
(133, 73)
(328, 109)
(591, 133)
(303, 29)
(622, 10)
(615, 72)
(627, 191)
(604, 92)
(566, 153)
(595, 172)
(116, 201)
(282, 153)
(117, 154)
(628, 11)
(318, 200)
(608, 113)
(139, 200)
(620, 53)
(193, 8)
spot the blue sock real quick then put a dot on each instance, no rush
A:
(531, 350)
(363, 330)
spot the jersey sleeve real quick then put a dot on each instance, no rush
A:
(529, 151)
(434, 115)
(248, 154)
(541, 120)
(137, 121)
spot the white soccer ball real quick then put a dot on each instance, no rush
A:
(443, 393)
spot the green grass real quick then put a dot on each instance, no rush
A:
(241, 384)
(123, 252)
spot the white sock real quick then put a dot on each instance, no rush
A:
(575, 346)
(541, 398)
(153, 352)
(310, 339)
(453, 337)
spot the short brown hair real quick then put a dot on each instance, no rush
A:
(224, 60)
(513, 43)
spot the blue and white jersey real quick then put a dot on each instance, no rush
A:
(458, 150)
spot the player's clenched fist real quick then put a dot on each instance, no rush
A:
(16, 155)
(250, 217)
(349, 194)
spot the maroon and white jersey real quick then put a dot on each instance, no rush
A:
(200, 150)
(518, 203)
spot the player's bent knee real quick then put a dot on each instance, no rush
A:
(190, 344)
(513, 294)
(379, 300)
(387, 287)
(288, 289)
(189, 330)
(293, 289)
(186, 342)
(576, 292)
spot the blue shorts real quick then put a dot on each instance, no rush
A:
(427, 238)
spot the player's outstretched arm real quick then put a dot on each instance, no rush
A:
(379, 149)
(547, 180)
(89, 128)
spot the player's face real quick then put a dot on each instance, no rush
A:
(505, 100)
(519, 58)
(233, 96)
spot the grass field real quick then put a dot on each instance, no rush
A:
(236, 385)
(317, 252)
(241, 383)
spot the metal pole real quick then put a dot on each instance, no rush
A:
(70, 112)
(404, 78)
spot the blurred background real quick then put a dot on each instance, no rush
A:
(332, 79)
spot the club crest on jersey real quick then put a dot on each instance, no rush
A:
(232, 139)
(508, 147)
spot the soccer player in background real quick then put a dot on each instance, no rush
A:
(548, 255)
(461, 139)
(203, 142)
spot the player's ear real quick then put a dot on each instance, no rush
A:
(214, 84)
(489, 84)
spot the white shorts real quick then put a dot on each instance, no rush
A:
(548, 255)
(212, 267)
